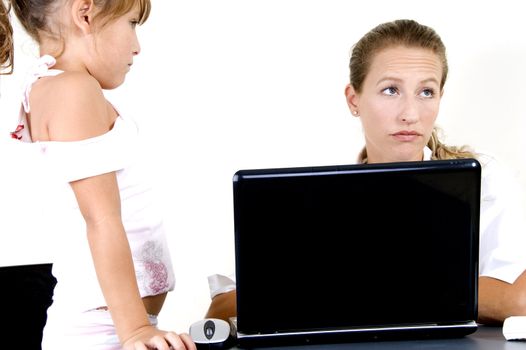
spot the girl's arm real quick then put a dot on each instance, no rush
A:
(77, 110)
(99, 202)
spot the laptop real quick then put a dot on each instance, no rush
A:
(356, 252)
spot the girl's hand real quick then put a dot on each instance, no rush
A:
(149, 337)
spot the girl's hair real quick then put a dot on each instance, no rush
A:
(6, 41)
(407, 33)
(40, 16)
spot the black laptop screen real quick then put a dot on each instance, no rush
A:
(352, 246)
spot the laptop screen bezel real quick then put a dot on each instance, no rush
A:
(251, 323)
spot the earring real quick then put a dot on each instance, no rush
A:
(355, 113)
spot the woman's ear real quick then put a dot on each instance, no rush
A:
(82, 12)
(352, 98)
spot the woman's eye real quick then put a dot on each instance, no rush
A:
(134, 23)
(427, 93)
(390, 91)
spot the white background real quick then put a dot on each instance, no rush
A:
(226, 85)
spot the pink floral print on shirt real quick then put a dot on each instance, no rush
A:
(153, 276)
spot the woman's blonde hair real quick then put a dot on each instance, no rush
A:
(6, 41)
(411, 34)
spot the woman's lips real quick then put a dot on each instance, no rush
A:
(406, 135)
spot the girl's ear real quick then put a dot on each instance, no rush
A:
(352, 98)
(82, 12)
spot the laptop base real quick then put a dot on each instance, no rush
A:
(420, 332)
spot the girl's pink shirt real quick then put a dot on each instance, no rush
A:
(116, 150)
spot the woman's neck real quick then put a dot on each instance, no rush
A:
(373, 157)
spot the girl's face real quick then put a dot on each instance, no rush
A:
(114, 46)
(398, 104)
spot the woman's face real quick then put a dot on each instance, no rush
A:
(398, 104)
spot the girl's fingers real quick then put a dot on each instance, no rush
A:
(176, 342)
(187, 340)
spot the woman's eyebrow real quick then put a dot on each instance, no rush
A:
(398, 80)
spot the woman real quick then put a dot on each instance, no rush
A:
(397, 76)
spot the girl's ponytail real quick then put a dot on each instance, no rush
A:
(6, 41)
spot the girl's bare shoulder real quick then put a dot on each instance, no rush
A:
(72, 106)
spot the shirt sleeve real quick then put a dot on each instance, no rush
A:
(219, 284)
(76, 160)
(502, 224)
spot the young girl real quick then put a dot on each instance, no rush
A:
(397, 76)
(113, 277)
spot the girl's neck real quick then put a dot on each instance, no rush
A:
(66, 56)
(65, 62)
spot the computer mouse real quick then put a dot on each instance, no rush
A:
(211, 333)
